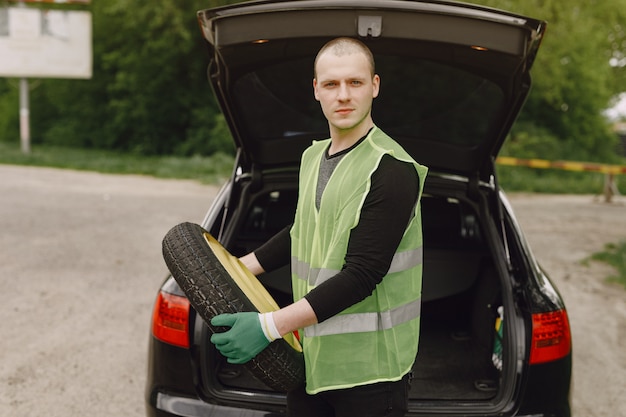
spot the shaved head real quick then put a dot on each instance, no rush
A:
(345, 46)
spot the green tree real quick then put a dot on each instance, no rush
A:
(572, 79)
(149, 93)
(9, 111)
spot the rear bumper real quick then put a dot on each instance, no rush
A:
(166, 405)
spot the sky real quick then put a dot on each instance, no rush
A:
(619, 110)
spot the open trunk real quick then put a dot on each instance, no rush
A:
(453, 79)
(460, 298)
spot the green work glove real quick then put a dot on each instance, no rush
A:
(244, 340)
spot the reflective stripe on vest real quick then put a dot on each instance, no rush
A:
(366, 322)
(401, 262)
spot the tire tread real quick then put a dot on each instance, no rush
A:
(211, 291)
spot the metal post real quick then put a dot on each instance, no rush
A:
(24, 110)
(24, 116)
(610, 188)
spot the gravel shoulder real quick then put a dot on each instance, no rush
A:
(80, 264)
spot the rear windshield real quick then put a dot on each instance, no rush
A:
(418, 99)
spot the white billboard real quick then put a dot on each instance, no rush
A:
(37, 43)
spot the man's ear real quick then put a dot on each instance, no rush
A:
(315, 89)
(375, 85)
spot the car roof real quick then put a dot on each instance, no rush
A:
(454, 76)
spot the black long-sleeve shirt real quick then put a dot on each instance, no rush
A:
(386, 212)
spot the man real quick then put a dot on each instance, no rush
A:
(355, 252)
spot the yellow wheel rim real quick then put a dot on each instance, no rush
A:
(249, 284)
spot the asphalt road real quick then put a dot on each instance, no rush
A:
(80, 264)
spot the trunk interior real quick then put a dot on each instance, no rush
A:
(460, 298)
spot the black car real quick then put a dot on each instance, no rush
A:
(495, 338)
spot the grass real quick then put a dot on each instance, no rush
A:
(553, 181)
(208, 170)
(216, 168)
(614, 254)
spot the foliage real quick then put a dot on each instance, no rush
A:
(573, 81)
(149, 93)
(552, 181)
(531, 140)
(207, 169)
(9, 116)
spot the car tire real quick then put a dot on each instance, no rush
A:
(212, 291)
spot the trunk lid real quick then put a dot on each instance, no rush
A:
(453, 76)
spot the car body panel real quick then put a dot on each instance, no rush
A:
(530, 390)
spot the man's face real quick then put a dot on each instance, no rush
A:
(345, 88)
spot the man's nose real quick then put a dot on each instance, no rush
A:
(343, 93)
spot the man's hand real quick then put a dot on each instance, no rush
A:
(244, 340)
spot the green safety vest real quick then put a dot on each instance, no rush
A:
(376, 339)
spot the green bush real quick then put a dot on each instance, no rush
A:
(212, 169)
(9, 111)
(525, 179)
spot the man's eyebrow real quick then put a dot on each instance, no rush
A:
(356, 77)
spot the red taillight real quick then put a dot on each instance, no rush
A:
(170, 319)
(552, 339)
